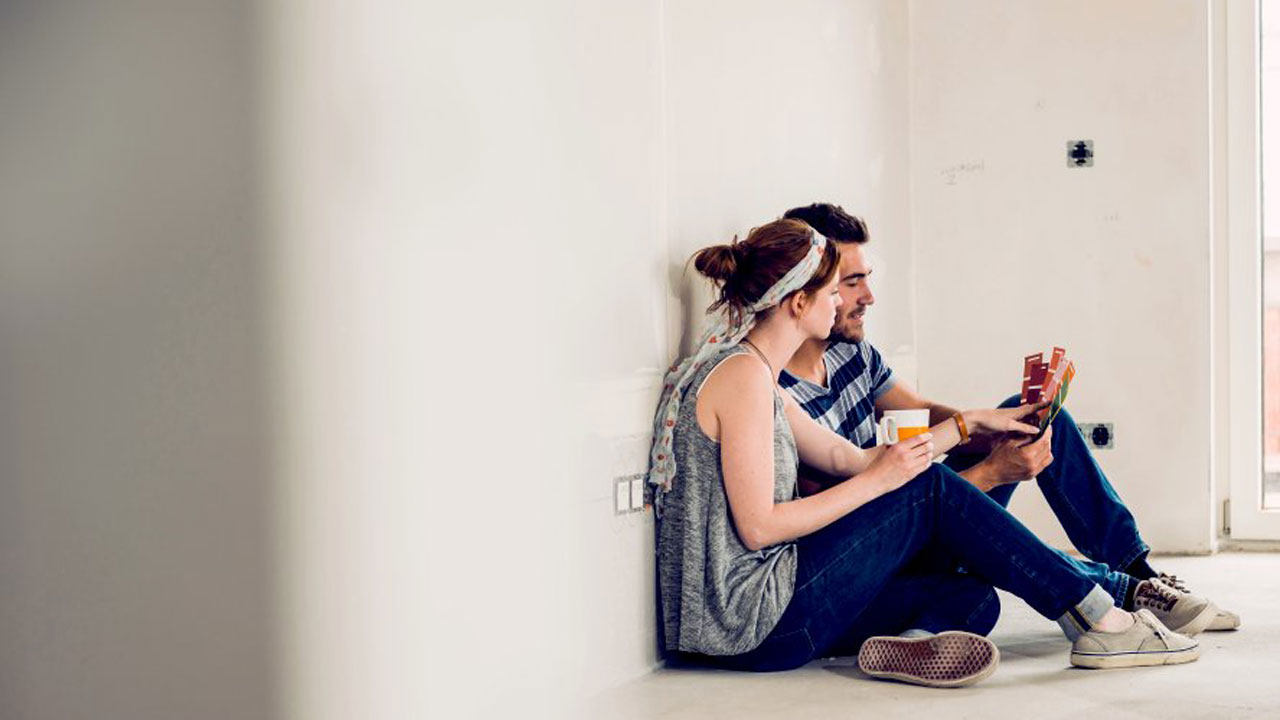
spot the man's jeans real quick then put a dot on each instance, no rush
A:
(854, 577)
(1096, 521)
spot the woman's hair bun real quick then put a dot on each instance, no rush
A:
(717, 262)
(744, 271)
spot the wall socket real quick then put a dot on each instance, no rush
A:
(1079, 153)
(1100, 436)
(630, 494)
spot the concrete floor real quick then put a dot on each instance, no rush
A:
(1237, 676)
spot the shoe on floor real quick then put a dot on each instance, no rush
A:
(1224, 620)
(1146, 642)
(1179, 610)
(949, 659)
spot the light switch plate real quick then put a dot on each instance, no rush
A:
(621, 496)
(637, 492)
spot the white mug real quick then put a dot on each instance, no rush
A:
(902, 424)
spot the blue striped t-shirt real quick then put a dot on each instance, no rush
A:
(856, 377)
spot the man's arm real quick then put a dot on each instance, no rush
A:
(901, 397)
(984, 475)
(897, 397)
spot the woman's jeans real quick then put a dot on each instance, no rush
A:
(855, 577)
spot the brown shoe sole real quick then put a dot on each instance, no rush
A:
(948, 659)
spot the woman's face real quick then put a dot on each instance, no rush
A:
(820, 313)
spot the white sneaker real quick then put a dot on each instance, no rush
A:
(1224, 620)
(1180, 611)
(1146, 642)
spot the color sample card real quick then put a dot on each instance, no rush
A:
(1032, 377)
(1047, 381)
(1053, 378)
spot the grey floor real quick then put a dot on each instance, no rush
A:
(1237, 676)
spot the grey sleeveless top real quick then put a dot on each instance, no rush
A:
(718, 597)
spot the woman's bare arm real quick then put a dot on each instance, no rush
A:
(739, 395)
(822, 449)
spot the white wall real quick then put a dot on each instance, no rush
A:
(767, 107)
(1111, 262)
(135, 504)
(452, 189)
(773, 107)
(568, 160)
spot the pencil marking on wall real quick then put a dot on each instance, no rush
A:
(951, 175)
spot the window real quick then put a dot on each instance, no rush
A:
(1270, 165)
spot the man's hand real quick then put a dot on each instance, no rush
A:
(1013, 461)
(1005, 420)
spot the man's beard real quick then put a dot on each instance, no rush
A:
(848, 335)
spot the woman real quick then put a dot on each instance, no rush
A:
(753, 577)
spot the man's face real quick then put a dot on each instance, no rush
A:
(855, 294)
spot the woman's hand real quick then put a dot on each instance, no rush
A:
(1003, 420)
(897, 464)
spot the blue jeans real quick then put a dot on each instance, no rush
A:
(855, 577)
(1097, 522)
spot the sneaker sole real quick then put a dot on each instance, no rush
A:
(1199, 623)
(1103, 661)
(949, 659)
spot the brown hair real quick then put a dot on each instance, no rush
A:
(744, 271)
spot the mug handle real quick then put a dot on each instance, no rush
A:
(889, 428)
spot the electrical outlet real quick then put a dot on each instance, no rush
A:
(1099, 436)
(1079, 153)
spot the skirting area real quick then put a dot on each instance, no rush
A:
(1237, 676)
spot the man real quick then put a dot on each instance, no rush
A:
(843, 381)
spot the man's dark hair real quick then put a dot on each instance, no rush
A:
(831, 221)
